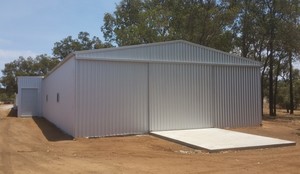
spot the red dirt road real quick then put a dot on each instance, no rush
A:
(30, 145)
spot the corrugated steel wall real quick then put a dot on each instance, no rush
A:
(237, 99)
(198, 96)
(180, 96)
(112, 98)
(62, 82)
(174, 51)
(132, 90)
(27, 82)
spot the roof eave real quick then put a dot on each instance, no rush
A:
(69, 56)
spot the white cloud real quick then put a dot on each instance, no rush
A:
(16, 53)
(5, 42)
(7, 56)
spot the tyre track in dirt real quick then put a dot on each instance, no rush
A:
(5, 153)
(33, 145)
(14, 150)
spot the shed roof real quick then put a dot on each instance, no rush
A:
(178, 51)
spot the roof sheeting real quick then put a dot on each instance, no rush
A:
(177, 51)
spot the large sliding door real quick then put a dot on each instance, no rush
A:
(180, 96)
(112, 98)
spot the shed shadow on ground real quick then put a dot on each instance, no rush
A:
(12, 113)
(50, 131)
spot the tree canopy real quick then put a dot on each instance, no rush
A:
(42, 64)
(68, 45)
(38, 66)
(202, 22)
(264, 30)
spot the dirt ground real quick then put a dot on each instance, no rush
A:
(33, 145)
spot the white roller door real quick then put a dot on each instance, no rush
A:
(29, 102)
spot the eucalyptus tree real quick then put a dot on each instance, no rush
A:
(30, 66)
(146, 21)
(268, 32)
(68, 45)
(289, 35)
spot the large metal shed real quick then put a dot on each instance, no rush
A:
(150, 87)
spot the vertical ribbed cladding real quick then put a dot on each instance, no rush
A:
(168, 51)
(28, 82)
(112, 98)
(179, 96)
(237, 96)
(76, 97)
(62, 82)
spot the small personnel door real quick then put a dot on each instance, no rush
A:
(29, 102)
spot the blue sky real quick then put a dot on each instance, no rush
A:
(31, 27)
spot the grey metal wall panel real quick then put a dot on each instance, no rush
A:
(112, 98)
(30, 82)
(237, 101)
(173, 51)
(62, 82)
(180, 96)
(29, 100)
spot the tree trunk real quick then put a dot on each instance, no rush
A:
(262, 93)
(276, 85)
(275, 96)
(262, 76)
(271, 66)
(291, 84)
(271, 95)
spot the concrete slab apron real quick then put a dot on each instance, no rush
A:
(214, 139)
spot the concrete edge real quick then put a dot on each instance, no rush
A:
(179, 142)
(255, 147)
(26, 116)
(293, 143)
